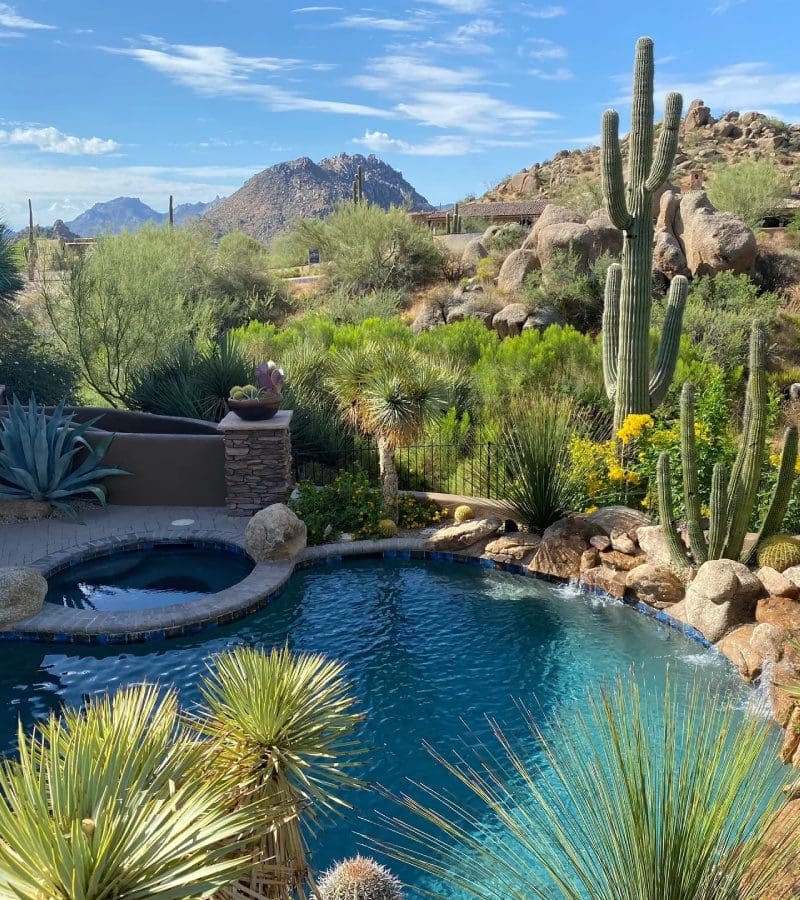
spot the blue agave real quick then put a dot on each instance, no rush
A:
(38, 456)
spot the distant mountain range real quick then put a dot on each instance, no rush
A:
(265, 205)
(270, 202)
(130, 213)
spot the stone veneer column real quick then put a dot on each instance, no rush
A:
(258, 462)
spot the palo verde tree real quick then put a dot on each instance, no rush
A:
(629, 381)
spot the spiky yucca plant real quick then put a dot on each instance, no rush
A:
(544, 483)
(39, 452)
(107, 802)
(280, 735)
(666, 799)
(390, 392)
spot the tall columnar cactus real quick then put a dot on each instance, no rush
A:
(626, 321)
(733, 499)
(358, 185)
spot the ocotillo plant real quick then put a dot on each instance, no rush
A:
(626, 320)
(733, 499)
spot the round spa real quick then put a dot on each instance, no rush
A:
(147, 577)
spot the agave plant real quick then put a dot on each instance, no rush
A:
(279, 735)
(668, 799)
(107, 802)
(39, 456)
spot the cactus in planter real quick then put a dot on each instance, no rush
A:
(626, 319)
(733, 497)
(360, 878)
(270, 381)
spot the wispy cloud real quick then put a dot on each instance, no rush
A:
(10, 18)
(221, 72)
(725, 5)
(317, 9)
(543, 48)
(442, 145)
(395, 74)
(559, 74)
(544, 12)
(380, 23)
(471, 111)
(51, 140)
(462, 6)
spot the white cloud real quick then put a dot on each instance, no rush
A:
(393, 74)
(725, 5)
(317, 9)
(471, 111)
(10, 18)
(743, 86)
(559, 74)
(51, 140)
(462, 6)
(220, 72)
(379, 23)
(543, 48)
(442, 145)
(545, 12)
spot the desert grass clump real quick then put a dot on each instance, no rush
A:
(360, 878)
(666, 796)
(543, 484)
(279, 732)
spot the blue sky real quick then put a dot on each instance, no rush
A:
(103, 99)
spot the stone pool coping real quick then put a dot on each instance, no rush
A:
(58, 624)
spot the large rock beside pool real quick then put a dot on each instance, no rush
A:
(460, 537)
(22, 593)
(610, 519)
(563, 543)
(274, 533)
(656, 585)
(518, 547)
(723, 595)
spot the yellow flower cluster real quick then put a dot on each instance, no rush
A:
(634, 427)
(775, 461)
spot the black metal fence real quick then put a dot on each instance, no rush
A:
(477, 471)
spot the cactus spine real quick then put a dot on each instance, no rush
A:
(626, 327)
(732, 499)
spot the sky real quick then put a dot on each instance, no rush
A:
(191, 97)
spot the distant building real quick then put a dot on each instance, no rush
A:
(499, 212)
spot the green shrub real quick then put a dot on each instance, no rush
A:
(11, 281)
(581, 194)
(750, 189)
(719, 311)
(565, 283)
(130, 303)
(29, 364)
(346, 309)
(486, 269)
(368, 249)
(417, 512)
(194, 381)
(350, 505)
(543, 481)
(508, 238)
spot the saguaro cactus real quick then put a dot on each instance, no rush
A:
(358, 185)
(626, 320)
(733, 498)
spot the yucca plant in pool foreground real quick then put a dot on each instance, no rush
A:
(39, 457)
(667, 798)
(108, 803)
(279, 734)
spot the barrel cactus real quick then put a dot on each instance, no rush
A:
(779, 552)
(733, 496)
(387, 528)
(360, 878)
(463, 513)
(629, 382)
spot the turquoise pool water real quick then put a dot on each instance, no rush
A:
(431, 648)
(147, 578)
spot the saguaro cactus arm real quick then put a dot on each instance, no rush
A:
(611, 328)
(670, 343)
(667, 143)
(718, 525)
(612, 178)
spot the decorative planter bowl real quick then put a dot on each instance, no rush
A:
(254, 410)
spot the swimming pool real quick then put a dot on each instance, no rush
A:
(431, 648)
